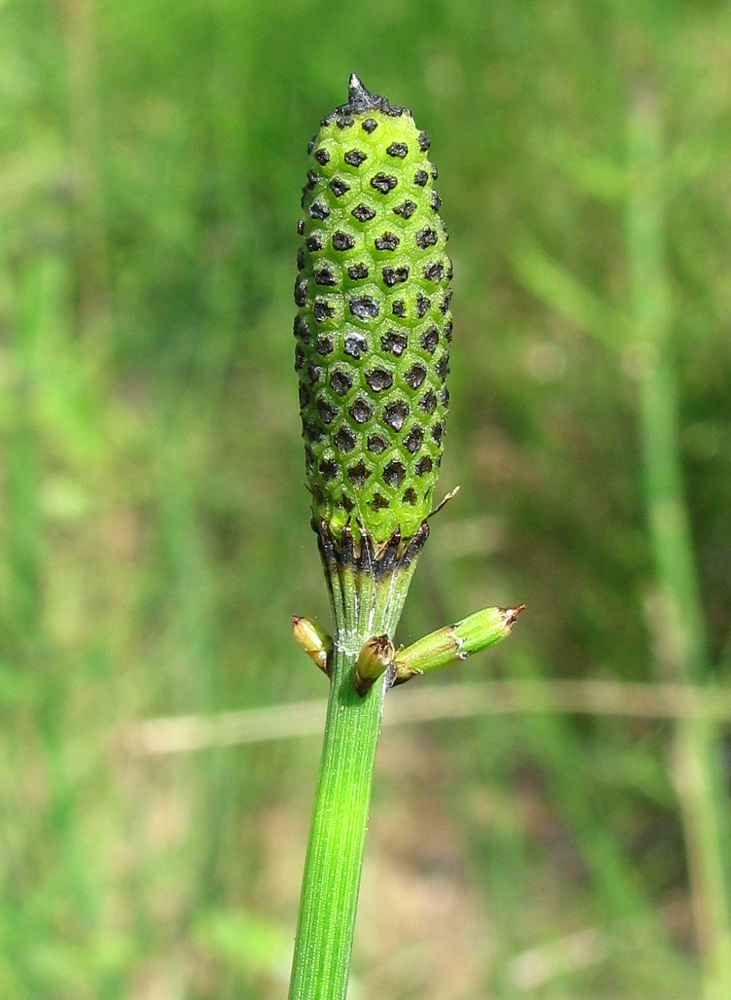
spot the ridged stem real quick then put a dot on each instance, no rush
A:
(365, 602)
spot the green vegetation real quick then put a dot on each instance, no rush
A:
(154, 532)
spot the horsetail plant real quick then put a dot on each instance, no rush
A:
(373, 332)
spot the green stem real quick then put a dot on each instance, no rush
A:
(337, 838)
(365, 603)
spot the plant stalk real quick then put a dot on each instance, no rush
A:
(337, 837)
(365, 602)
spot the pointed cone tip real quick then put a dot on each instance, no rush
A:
(356, 90)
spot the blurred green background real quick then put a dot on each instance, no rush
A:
(154, 530)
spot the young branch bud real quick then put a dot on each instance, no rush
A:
(375, 658)
(455, 642)
(314, 640)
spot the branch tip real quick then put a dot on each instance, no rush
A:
(511, 614)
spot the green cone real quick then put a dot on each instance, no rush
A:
(374, 324)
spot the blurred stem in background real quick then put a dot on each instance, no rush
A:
(87, 186)
(644, 338)
(684, 643)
